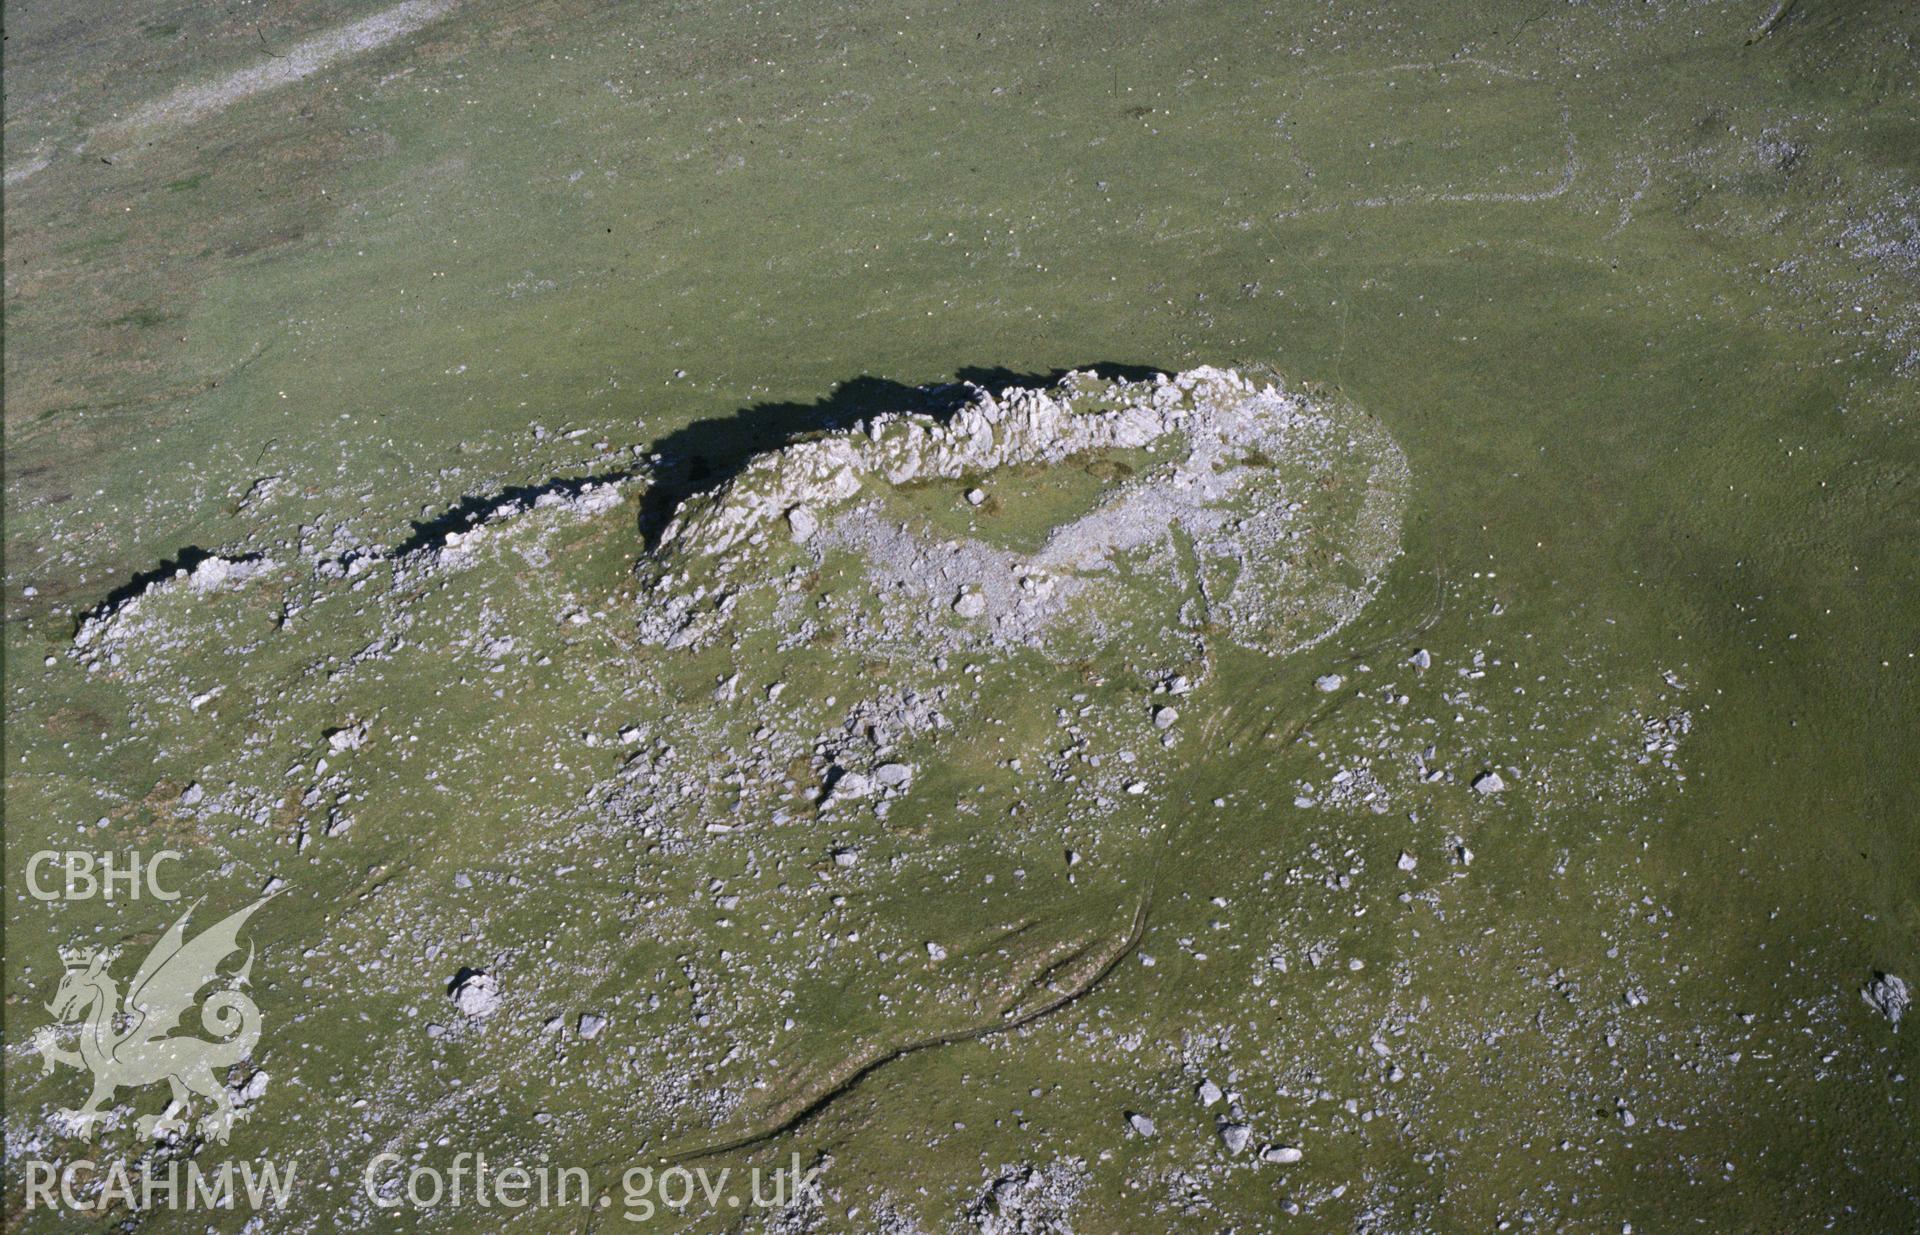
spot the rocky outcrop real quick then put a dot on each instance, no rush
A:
(100, 632)
(799, 483)
(1253, 478)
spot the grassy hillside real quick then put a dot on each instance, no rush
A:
(1635, 288)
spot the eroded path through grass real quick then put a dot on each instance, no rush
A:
(198, 100)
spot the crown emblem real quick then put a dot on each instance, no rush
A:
(78, 958)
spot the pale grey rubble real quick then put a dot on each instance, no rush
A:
(1223, 440)
(150, 620)
(1888, 995)
(102, 632)
(568, 499)
(1030, 1201)
(249, 1091)
(476, 994)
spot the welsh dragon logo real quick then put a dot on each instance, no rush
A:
(129, 1044)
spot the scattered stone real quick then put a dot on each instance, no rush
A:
(251, 1091)
(1408, 861)
(1421, 659)
(970, 604)
(1163, 718)
(976, 496)
(476, 994)
(218, 572)
(1141, 1125)
(1888, 996)
(1023, 1200)
(848, 785)
(1285, 1155)
(1488, 783)
(846, 857)
(1327, 683)
(191, 795)
(1235, 1136)
(350, 737)
(1208, 1093)
(590, 1025)
(935, 952)
(893, 775)
(258, 494)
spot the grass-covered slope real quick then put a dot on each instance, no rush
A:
(409, 361)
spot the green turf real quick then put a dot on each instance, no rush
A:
(1634, 290)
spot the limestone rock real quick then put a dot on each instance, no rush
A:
(1889, 996)
(476, 994)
